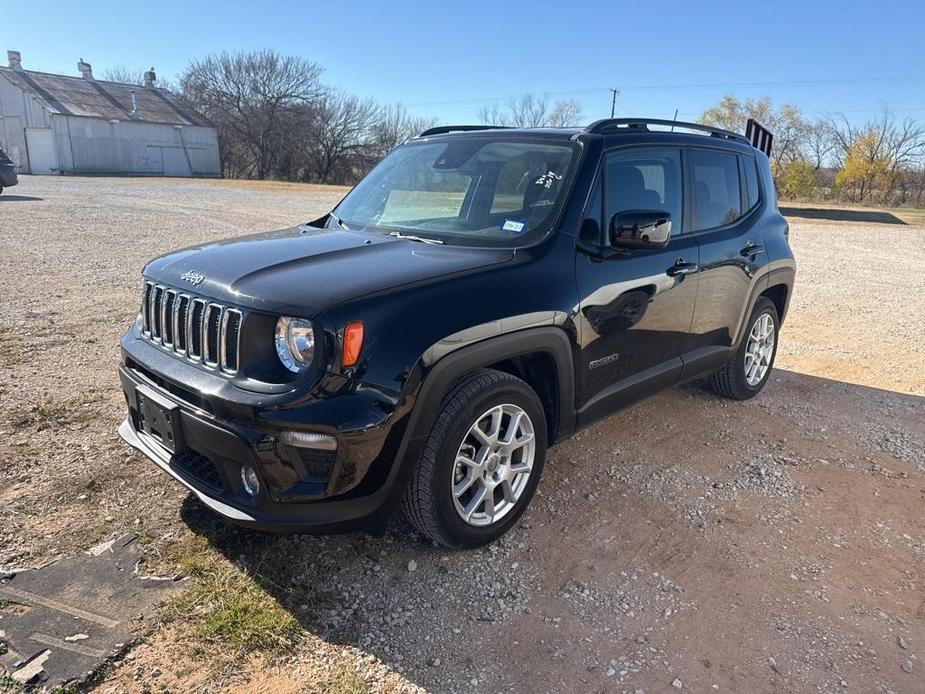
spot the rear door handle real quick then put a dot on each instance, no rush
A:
(682, 269)
(751, 249)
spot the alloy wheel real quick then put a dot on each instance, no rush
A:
(493, 465)
(759, 350)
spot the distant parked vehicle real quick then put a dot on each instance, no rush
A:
(7, 172)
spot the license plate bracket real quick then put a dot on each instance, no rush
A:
(159, 418)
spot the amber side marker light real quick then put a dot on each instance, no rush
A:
(353, 343)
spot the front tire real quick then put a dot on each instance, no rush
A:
(481, 463)
(747, 372)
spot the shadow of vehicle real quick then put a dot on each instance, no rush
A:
(841, 215)
(19, 198)
(640, 538)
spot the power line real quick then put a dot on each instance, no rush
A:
(831, 82)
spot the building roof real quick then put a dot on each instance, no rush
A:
(77, 96)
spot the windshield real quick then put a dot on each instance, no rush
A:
(466, 190)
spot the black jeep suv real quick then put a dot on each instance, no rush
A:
(481, 295)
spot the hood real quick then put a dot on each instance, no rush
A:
(304, 270)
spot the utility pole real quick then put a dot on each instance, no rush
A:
(613, 103)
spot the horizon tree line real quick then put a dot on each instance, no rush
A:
(277, 118)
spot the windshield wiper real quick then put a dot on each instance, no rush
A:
(409, 237)
(338, 221)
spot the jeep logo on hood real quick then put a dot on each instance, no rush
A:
(194, 278)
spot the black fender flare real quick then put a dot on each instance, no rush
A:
(550, 340)
(442, 374)
(781, 275)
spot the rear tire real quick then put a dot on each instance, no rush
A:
(502, 461)
(745, 374)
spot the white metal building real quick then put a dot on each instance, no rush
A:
(56, 124)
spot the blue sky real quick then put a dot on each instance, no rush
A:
(852, 57)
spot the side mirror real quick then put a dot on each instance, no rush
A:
(640, 229)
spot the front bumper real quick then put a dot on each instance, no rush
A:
(360, 492)
(157, 453)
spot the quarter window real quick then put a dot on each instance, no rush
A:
(717, 195)
(645, 179)
(591, 225)
(751, 180)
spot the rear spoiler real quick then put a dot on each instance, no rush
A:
(760, 137)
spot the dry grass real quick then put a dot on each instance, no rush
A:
(10, 346)
(226, 606)
(268, 186)
(907, 215)
(347, 682)
(52, 411)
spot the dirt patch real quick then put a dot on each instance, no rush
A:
(773, 545)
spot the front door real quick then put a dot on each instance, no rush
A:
(636, 309)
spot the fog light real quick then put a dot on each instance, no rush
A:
(309, 439)
(249, 480)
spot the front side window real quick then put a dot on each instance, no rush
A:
(466, 190)
(644, 179)
(717, 196)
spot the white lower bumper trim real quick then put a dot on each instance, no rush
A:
(159, 455)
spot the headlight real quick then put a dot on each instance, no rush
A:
(295, 343)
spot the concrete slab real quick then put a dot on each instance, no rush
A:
(62, 621)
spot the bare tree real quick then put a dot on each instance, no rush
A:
(394, 126)
(532, 111)
(342, 134)
(125, 75)
(491, 114)
(528, 111)
(819, 144)
(249, 96)
(565, 113)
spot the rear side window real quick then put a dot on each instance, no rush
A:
(644, 179)
(717, 195)
(751, 180)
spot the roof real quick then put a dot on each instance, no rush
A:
(613, 130)
(76, 96)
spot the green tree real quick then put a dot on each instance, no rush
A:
(787, 123)
(874, 157)
(798, 180)
(866, 167)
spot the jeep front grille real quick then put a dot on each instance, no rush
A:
(190, 326)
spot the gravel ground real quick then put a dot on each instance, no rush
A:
(687, 543)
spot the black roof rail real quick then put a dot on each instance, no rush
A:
(444, 129)
(612, 124)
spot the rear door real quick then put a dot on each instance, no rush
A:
(635, 309)
(724, 208)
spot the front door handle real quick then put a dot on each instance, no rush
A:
(751, 249)
(682, 268)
